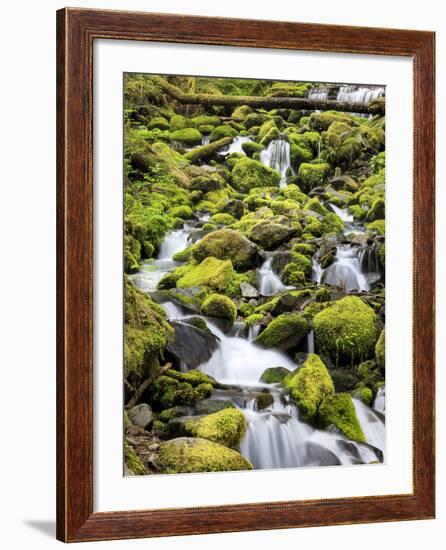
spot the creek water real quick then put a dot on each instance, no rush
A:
(276, 436)
(277, 156)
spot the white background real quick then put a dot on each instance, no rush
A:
(28, 297)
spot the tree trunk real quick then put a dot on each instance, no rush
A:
(304, 103)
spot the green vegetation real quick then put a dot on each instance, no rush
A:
(219, 305)
(339, 410)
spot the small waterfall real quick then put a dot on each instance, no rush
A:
(342, 213)
(236, 145)
(372, 425)
(277, 156)
(345, 271)
(270, 283)
(253, 332)
(318, 94)
(174, 242)
(380, 400)
(359, 94)
(205, 140)
(150, 274)
(316, 270)
(310, 341)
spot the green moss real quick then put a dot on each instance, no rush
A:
(184, 212)
(312, 175)
(241, 112)
(269, 235)
(223, 131)
(299, 155)
(251, 147)
(158, 122)
(188, 455)
(287, 207)
(302, 263)
(226, 427)
(274, 375)
(287, 327)
(207, 120)
(309, 385)
(346, 331)
(314, 205)
(293, 276)
(378, 227)
(377, 211)
(380, 349)
(132, 460)
(188, 136)
(322, 121)
(339, 410)
(357, 212)
(193, 377)
(322, 295)
(248, 173)
(183, 255)
(218, 305)
(365, 394)
(307, 140)
(205, 152)
(146, 333)
(179, 122)
(382, 256)
(221, 218)
(226, 244)
(270, 136)
(212, 273)
(304, 248)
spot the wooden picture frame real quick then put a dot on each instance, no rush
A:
(77, 29)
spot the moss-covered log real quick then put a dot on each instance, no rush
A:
(268, 102)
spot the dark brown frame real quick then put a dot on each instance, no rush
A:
(76, 31)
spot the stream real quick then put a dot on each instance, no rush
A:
(276, 436)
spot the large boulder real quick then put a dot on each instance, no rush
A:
(274, 375)
(219, 305)
(212, 273)
(141, 415)
(309, 385)
(192, 345)
(248, 174)
(226, 427)
(312, 175)
(338, 410)
(285, 332)
(269, 235)
(227, 244)
(346, 331)
(187, 455)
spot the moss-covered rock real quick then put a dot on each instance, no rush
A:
(378, 227)
(206, 120)
(179, 122)
(364, 394)
(286, 331)
(132, 461)
(241, 112)
(377, 211)
(226, 427)
(188, 136)
(248, 174)
(346, 331)
(223, 131)
(309, 385)
(251, 147)
(222, 218)
(212, 273)
(227, 244)
(146, 333)
(158, 122)
(339, 410)
(189, 455)
(380, 349)
(218, 305)
(269, 235)
(322, 121)
(274, 375)
(312, 175)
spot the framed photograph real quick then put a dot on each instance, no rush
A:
(245, 275)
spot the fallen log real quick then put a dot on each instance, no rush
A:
(301, 103)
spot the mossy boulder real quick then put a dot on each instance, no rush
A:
(269, 235)
(158, 122)
(179, 122)
(227, 244)
(377, 211)
(248, 174)
(241, 112)
(346, 331)
(380, 349)
(218, 305)
(188, 136)
(378, 227)
(166, 392)
(132, 461)
(192, 455)
(309, 385)
(206, 120)
(207, 183)
(339, 410)
(312, 175)
(222, 218)
(220, 132)
(212, 273)
(285, 332)
(364, 394)
(322, 121)
(251, 147)
(226, 427)
(274, 375)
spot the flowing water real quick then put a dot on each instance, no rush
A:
(277, 156)
(270, 282)
(236, 145)
(318, 94)
(359, 94)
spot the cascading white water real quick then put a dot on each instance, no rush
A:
(205, 140)
(236, 145)
(380, 401)
(342, 213)
(359, 94)
(174, 242)
(318, 94)
(371, 424)
(310, 341)
(277, 156)
(345, 271)
(270, 282)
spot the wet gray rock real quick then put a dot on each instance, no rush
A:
(248, 291)
(192, 345)
(318, 455)
(141, 415)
